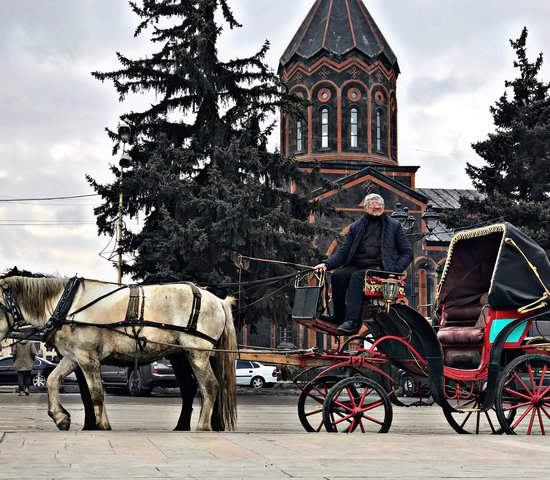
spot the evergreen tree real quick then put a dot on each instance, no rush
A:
(202, 177)
(514, 183)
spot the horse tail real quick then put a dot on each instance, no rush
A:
(224, 366)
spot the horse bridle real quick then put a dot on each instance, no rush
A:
(10, 308)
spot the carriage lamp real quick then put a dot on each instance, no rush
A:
(390, 288)
(407, 221)
(399, 214)
(402, 215)
(431, 218)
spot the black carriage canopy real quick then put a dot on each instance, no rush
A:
(497, 264)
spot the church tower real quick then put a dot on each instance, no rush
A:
(340, 61)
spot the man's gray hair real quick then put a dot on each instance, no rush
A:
(373, 196)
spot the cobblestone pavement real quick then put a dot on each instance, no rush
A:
(270, 444)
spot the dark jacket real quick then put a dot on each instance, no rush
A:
(396, 249)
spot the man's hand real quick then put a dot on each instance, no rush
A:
(321, 267)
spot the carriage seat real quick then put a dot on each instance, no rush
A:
(466, 326)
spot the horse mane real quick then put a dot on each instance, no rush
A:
(15, 272)
(33, 291)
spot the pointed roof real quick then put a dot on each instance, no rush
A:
(339, 26)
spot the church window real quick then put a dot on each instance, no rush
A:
(378, 130)
(299, 142)
(353, 128)
(324, 128)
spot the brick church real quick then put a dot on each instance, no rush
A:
(340, 61)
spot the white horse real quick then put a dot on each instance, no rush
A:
(168, 323)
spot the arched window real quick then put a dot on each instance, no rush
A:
(299, 143)
(324, 127)
(353, 128)
(378, 130)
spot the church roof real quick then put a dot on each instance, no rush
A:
(447, 198)
(338, 27)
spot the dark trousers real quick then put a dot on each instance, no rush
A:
(24, 379)
(348, 280)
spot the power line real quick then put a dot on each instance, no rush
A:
(42, 199)
(45, 224)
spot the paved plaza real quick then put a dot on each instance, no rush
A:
(270, 444)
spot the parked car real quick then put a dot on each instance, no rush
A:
(256, 375)
(149, 376)
(40, 372)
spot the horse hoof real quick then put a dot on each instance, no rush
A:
(64, 424)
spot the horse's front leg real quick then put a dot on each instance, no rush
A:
(91, 369)
(60, 416)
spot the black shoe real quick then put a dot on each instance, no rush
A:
(349, 327)
(330, 319)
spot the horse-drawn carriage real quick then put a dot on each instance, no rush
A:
(482, 368)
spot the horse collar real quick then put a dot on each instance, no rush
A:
(61, 310)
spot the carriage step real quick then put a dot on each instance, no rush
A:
(469, 410)
(319, 326)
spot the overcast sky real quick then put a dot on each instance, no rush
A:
(454, 56)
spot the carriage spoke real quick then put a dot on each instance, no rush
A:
(489, 421)
(515, 406)
(541, 423)
(531, 378)
(546, 390)
(541, 381)
(373, 420)
(517, 394)
(372, 405)
(314, 412)
(319, 426)
(466, 418)
(318, 399)
(344, 418)
(523, 415)
(531, 420)
(520, 381)
(545, 411)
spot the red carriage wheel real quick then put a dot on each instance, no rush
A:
(524, 388)
(357, 404)
(312, 398)
(468, 396)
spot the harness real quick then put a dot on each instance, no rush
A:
(133, 318)
(11, 308)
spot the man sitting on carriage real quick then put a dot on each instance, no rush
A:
(375, 241)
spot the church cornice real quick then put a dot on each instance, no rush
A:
(359, 157)
(301, 68)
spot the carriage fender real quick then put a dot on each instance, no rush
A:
(429, 345)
